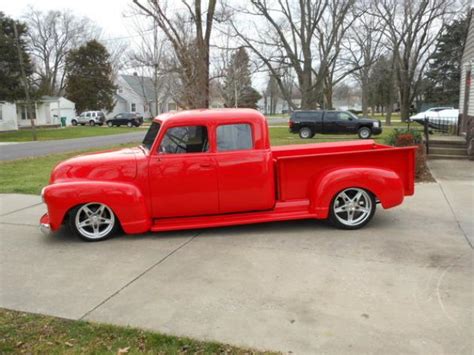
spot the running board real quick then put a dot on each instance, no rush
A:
(283, 211)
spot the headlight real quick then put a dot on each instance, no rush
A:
(376, 124)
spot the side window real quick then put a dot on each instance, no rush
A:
(344, 116)
(119, 116)
(330, 116)
(188, 139)
(88, 114)
(234, 137)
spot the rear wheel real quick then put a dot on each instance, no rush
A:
(306, 133)
(365, 132)
(352, 208)
(93, 221)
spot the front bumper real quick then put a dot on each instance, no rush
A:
(376, 130)
(44, 226)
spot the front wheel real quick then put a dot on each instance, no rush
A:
(306, 133)
(110, 124)
(352, 208)
(93, 221)
(74, 122)
(91, 123)
(129, 124)
(365, 133)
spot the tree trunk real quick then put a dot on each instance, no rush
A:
(365, 97)
(404, 101)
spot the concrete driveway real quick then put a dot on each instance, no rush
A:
(403, 284)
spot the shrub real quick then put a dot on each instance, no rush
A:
(411, 137)
(392, 138)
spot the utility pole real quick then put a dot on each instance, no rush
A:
(29, 107)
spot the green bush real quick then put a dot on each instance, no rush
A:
(393, 137)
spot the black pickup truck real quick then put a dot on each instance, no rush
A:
(308, 123)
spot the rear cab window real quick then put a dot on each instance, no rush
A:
(309, 116)
(232, 137)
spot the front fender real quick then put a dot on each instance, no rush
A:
(126, 200)
(385, 184)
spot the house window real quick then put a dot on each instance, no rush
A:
(24, 114)
(133, 107)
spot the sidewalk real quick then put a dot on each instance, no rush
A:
(402, 284)
(456, 180)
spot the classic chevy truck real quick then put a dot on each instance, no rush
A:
(209, 168)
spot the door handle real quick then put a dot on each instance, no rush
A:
(205, 165)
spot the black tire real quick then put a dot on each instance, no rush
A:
(110, 124)
(365, 133)
(74, 122)
(306, 133)
(338, 221)
(74, 228)
(91, 123)
(129, 124)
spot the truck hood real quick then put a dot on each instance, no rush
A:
(118, 165)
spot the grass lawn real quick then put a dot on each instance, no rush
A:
(30, 175)
(37, 334)
(281, 136)
(47, 134)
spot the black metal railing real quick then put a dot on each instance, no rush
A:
(433, 126)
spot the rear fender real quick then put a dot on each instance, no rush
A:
(126, 200)
(385, 184)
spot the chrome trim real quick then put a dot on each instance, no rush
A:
(45, 228)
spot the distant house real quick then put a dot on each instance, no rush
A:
(137, 94)
(48, 111)
(8, 120)
(466, 96)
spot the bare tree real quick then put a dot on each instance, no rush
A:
(50, 37)
(412, 28)
(364, 46)
(189, 33)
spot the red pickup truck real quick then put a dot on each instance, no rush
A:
(208, 168)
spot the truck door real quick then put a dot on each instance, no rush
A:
(245, 174)
(183, 175)
(346, 123)
(330, 122)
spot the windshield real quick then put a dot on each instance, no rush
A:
(150, 136)
(353, 115)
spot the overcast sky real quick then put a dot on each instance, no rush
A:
(110, 15)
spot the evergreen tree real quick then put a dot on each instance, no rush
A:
(237, 89)
(444, 74)
(89, 77)
(11, 87)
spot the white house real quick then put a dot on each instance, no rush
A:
(137, 94)
(48, 111)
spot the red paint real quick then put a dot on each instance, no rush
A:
(152, 191)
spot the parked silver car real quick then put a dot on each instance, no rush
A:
(90, 118)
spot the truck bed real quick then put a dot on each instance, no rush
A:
(298, 166)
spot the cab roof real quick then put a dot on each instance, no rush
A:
(210, 114)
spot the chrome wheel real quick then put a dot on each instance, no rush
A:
(364, 133)
(352, 207)
(94, 221)
(305, 133)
